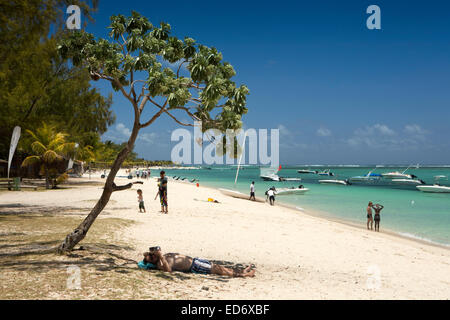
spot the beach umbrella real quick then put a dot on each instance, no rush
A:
(14, 141)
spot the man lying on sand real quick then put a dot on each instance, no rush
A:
(154, 259)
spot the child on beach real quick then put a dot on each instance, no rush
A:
(141, 200)
(162, 192)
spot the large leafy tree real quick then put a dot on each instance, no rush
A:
(36, 83)
(135, 61)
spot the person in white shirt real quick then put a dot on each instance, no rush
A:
(271, 196)
(252, 191)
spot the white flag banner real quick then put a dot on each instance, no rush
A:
(70, 166)
(14, 141)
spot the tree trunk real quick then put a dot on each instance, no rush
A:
(47, 179)
(80, 232)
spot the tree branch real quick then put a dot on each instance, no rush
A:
(156, 115)
(125, 187)
(179, 67)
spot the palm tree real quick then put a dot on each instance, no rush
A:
(48, 147)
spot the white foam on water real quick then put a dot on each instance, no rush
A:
(412, 236)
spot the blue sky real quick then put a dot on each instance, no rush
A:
(338, 92)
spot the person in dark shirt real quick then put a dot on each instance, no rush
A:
(162, 192)
(378, 207)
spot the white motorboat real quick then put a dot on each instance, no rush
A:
(269, 174)
(334, 181)
(326, 173)
(290, 179)
(307, 171)
(409, 182)
(399, 175)
(271, 177)
(396, 175)
(436, 187)
(287, 191)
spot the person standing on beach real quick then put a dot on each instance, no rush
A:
(141, 201)
(271, 195)
(162, 192)
(252, 191)
(369, 216)
(378, 207)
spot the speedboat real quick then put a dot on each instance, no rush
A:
(436, 187)
(326, 173)
(308, 171)
(269, 174)
(399, 175)
(287, 191)
(396, 175)
(334, 181)
(270, 177)
(409, 182)
(369, 178)
(290, 179)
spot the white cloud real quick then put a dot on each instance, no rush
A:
(147, 137)
(283, 130)
(375, 129)
(123, 130)
(415, 129)
(323, 132)
(381, 136)
(416, 132)
(121, 133)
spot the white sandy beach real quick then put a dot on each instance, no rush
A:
(297, 256)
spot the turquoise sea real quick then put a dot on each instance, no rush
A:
(408, 212)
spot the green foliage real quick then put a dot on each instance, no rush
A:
(137, 47)
(47, 147)
(36, 83)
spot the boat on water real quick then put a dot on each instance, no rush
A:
(238, 194)
(326, 172)
(334, 181)
(308, 171)
(369, 178)
(270, 177)
(408, 182)
(399, 175)
(436, 187)
(293, 190)
(290, 179)
(269, 174)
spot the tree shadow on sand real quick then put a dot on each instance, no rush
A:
(45, 258)
(18, 209)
